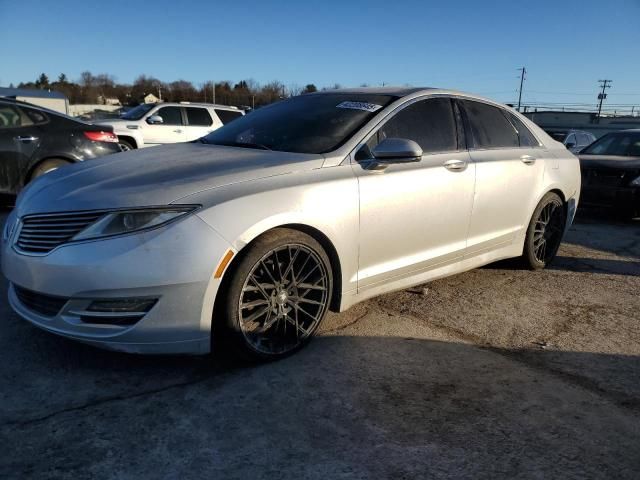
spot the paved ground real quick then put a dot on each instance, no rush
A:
(495, 372)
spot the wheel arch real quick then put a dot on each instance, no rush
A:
(37, 163)
(131, 139)
(313, 232)
(557, 189)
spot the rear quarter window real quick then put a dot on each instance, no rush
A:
(35, 116)
(227, 116)
(525, 137)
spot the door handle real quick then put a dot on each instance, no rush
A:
(528, 159)
(177, 131)
(26, 139)
(455, 165)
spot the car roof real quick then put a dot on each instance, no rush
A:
(411, 92)
(198, 104)
(394, 91)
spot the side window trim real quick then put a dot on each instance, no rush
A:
(461, 129)
(183, 115)
(468, 134)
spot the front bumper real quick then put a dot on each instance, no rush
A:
(174, 264)
(603, 195)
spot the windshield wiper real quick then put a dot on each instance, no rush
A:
(258, 146)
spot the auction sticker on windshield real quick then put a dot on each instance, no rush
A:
(367, 107)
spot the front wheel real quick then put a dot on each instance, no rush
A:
(277, 296)
(544, 233)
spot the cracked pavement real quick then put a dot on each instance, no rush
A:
(497, 372)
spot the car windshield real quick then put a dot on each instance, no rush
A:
(314, 123)
(626, 144)
(138, 112)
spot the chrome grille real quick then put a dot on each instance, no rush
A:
(43, 233)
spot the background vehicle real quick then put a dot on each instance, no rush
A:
(34, 141)
(574, 140)
(611, 172)
(254, 232)
(159, 123)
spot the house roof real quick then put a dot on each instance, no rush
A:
(29, 92)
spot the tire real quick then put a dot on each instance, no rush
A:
(125, 145)
(545, 232)
(47, 166)
(268, 310)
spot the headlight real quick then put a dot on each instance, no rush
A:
(123, 222)
(635, 182)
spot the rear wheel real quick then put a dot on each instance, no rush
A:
(48, 166)
(277, 296)
(545, 232)
(125, 145)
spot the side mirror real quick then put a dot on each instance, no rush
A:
(570, 145)
(393, 150)
(155, 120)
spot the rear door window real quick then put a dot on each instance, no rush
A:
(489, 126)
(430, 123)
(9, 117)
(198, 117)
(227, 116)
(170, 115)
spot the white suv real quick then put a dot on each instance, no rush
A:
(159, 123)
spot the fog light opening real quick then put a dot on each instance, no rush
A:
(123, 305)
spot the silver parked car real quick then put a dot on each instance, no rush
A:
(573, 140)
(255, 231)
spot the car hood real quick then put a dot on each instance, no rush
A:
(154, 176)
(609, 161)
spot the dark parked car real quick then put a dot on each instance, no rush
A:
(34, 141)
(574, 140)
(611, 172)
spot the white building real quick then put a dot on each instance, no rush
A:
(151, 98)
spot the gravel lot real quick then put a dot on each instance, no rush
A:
(498, 372)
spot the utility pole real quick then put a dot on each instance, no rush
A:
(601, 96)
(523, 72)
(159, 92)
(213, 89)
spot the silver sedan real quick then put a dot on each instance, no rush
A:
(245, 238)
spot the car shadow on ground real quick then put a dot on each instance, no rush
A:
(596, 265)
(365, 407)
